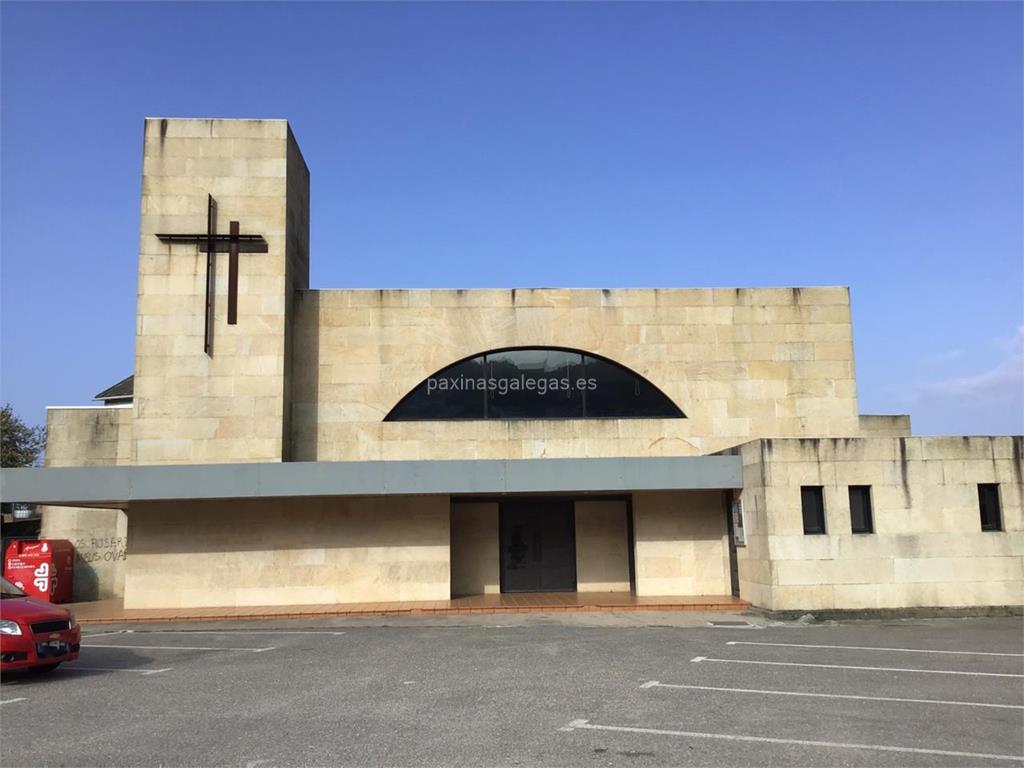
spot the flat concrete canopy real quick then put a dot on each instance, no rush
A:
(121, 486)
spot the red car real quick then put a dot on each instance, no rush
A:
(34, 634)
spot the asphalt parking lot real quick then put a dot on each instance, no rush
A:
(534, 691)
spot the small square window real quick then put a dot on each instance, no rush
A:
(861, 520)
(813, 503)
(988, 500)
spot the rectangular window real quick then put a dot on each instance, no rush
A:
(988, 500)
(813, 502)
(860, 509)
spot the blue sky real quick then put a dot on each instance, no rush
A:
(875, 145)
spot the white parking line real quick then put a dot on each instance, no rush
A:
(656, 684)
(101, 634)
(12, 701)
(227, 632)
(179, 648)
(847, 666)
(587, 725)
(873, 648)
(77, 668)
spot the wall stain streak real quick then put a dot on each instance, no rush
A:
(1018, 459)
(903, 471)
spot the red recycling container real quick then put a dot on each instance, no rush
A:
(42, 568)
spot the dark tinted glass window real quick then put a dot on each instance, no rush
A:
(813, 503)
(535, 383)
(860, 509)
(457, 392)
(613, 391)
(991, 514)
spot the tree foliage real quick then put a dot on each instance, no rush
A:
(20, 444)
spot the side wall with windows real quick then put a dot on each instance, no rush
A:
(927, 547)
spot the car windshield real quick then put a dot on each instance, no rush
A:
(9, 590)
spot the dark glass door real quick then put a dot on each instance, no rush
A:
(538, 546)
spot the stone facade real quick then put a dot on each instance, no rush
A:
(98, 436)
(927, 548)
(681, 543)
(279, 552)
(90, 437)
(602, 546)
(474, 549)
(885, 426)
(191, 407)
(741, 363)
(309, 375)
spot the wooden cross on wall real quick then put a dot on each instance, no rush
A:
(211, 244)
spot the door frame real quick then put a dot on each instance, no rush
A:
(734, 567)
(626, 499)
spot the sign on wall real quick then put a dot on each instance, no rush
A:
(739, 534)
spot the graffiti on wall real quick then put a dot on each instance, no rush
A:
(102, 549)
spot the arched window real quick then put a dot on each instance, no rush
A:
(534, 383)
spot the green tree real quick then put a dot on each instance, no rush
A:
(20, 444)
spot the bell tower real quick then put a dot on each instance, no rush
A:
(223, 247)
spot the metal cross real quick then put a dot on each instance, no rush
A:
(211, 244)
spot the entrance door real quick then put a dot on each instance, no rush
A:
(538, 546)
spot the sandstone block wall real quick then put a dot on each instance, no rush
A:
(741, 363)
(884, 426)
(476, 568)
(284, 552)
(681, 543)
(928, 548)
(97, 436)
(90, 437)
(753, 560)
(602, 546)
(231, 406)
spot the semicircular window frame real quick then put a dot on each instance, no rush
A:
(651, 402)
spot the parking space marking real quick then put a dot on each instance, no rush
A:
(656, 684)
(101, 634)
(181, 632)
(699, 659)
(587, 725)
(180, 648)
(77, 668)
(873, 648)
(12, 701)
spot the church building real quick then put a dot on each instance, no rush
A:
(278, 444)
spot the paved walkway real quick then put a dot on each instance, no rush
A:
(113, 611)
